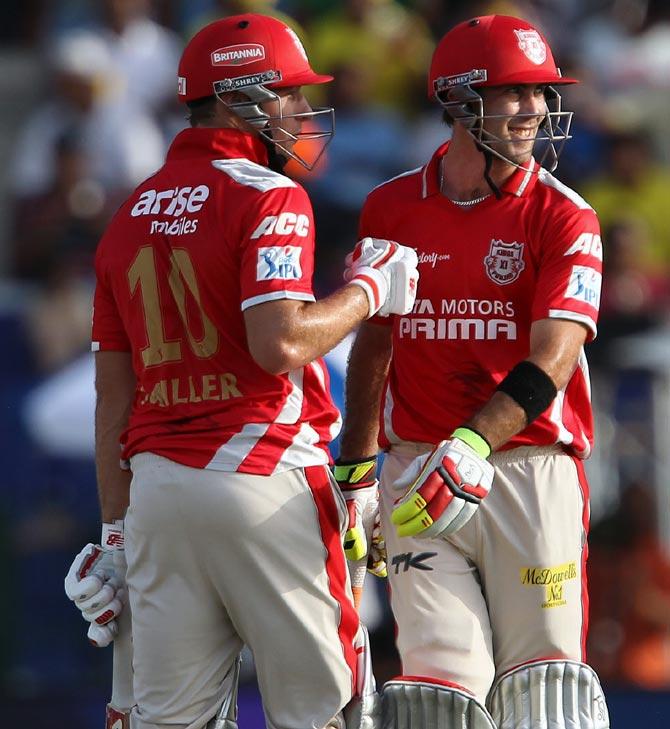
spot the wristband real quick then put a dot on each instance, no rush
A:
(374, 285)
(530, 387)
(358, 474)
(112, 536)
(475, 440)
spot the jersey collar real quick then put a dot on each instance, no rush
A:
(217, 144)
(520, 182)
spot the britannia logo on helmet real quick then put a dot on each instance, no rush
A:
(532, 45)
(238, 55)
(504, 262)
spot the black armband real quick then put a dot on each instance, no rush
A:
(530, 387)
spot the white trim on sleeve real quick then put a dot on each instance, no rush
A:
(574, 316)
(276, 296)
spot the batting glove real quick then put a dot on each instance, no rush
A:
(95, 583)
(387, 272)
(359, 486)
(445, 488)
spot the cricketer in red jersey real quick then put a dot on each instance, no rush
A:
(208, 344)
(480, 397)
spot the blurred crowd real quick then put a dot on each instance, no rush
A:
(89, 109)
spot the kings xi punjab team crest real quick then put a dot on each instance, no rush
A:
(504, 262)
(532, 45)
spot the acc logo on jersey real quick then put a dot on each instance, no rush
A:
(278, 262)
(532, 45)
(584, 285)
(504, 261)
(283, 224)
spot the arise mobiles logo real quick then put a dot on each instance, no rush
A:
(174, 201)
(238, 55)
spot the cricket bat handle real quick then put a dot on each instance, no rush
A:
(123, 699)
(357, 572)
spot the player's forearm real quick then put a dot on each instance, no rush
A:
(113, 482)
(555, 346)
(115, 391)
(303, 331)
(366, 375)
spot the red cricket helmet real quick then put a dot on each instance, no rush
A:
(498, 50)
(235, 52)
(253, 54)
(493, 50)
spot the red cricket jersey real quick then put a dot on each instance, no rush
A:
(487, 272)
(212, 233)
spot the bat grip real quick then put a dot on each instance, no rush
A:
(357, 571)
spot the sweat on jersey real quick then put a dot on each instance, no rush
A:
(211, 234)
(487, 272)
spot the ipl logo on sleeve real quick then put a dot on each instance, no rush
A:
(584, 285)
(281, 262)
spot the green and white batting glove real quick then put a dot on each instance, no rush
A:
(358, 482)
(443, 489)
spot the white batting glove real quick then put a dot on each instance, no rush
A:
(387, 272)
(95, 583)
(443, 490)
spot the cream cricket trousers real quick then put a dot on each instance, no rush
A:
(217, 560)
(507, 588)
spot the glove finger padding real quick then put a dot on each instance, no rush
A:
(377, 550)
(104, 614)
(362, 505)
(102, 597)
(445, 494)
(102, 635)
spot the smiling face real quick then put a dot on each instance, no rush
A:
(513, 114)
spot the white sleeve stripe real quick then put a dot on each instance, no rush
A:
(546, 178)
(250, 174)
(276, 296)
(574, 316)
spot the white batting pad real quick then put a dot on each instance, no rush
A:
(544, 694)
(420, 704)
(363, 711)
(226, 717)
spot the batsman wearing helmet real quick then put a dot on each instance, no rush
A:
(480, 397)
(208, 341)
